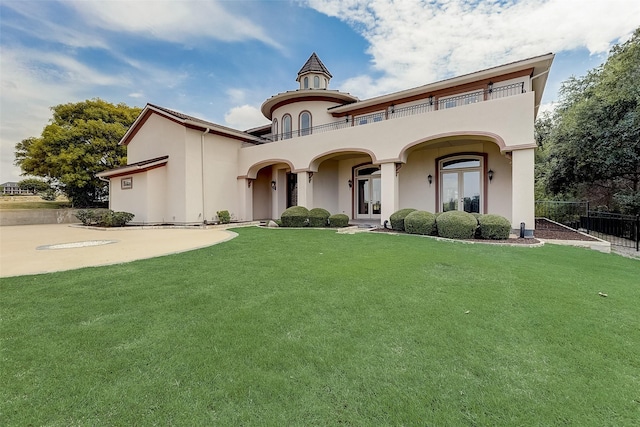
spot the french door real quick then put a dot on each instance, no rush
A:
(367, 194)
(461, 185)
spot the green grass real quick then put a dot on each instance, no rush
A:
(34, 205)
(309, 327)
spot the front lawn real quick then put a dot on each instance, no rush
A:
(310, 327)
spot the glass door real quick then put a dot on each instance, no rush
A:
(461, 185)
(367, 194)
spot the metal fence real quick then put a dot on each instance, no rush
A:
(618, 229)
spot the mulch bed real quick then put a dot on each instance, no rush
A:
(544, 230)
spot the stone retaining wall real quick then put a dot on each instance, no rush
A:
(37, 216)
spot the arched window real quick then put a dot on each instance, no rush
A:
(286, 126)
(305, 123)
(461, 183)
(306, 82)
(274, 129)
(316, 82)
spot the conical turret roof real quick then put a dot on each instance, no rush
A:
(314, 65)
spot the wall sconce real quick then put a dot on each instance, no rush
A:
(430, 179)
(490, 175)
(350, 184)
(393, 108)
(490, 87)
(310, 175)
(431, 100)
(273, 185)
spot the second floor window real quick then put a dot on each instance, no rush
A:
(286, 127)
(316, 82)
(305, 123)
(306, 82)
(274, 128)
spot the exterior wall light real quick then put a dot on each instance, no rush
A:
(430, 179)
(350, 184)
(310, 175)
(273, 185)
(490, 87)
(490, 175)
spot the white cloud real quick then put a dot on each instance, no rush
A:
(236, 96)
(245, 117)
(136, 95)
(413, 43)
(176, 21)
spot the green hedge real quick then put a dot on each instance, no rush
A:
(420, 222)
(104, 217)
(494, 227)
(397, 218)
(338, 220)
(318, 217)
(456, 225)
(295, 216)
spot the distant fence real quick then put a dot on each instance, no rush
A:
(618, 229)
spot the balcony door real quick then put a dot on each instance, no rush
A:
(367, 194)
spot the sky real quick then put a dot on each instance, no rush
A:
(220, 60)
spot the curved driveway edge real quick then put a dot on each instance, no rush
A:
(31, 249)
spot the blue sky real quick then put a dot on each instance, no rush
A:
(219, 60)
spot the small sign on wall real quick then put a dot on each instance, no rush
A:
(126, 183)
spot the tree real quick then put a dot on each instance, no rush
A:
(593, 140)
(80, 140)
(34, 185)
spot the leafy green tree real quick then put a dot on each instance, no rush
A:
(34, 185)
(80, 140)
(593, 139)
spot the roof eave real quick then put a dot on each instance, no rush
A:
(539, 63)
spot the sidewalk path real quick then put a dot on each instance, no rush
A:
(27, 249)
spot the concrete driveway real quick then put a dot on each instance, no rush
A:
(33, 249)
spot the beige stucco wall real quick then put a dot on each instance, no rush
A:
(509, 118)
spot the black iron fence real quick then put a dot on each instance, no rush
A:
(618, 229)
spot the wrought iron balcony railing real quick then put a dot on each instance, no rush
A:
(394, 112)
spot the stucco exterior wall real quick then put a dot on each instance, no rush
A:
(325, 185)
(510, 118)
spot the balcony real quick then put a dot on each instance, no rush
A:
(394, 112)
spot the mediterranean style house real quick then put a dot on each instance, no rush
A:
(465, 143)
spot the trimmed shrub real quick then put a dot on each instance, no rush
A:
(338, 220)
(224, 217)
(104, 218)
(397, 218)
(456, 225)
(494, 227)
(318, 217)
(295, 216)
(420, 222)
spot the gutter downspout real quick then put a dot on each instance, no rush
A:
(204, 216)
(108, 181)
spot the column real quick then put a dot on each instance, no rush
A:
(522, 190)
(245, 199)
(389, 190)
(305, 190)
